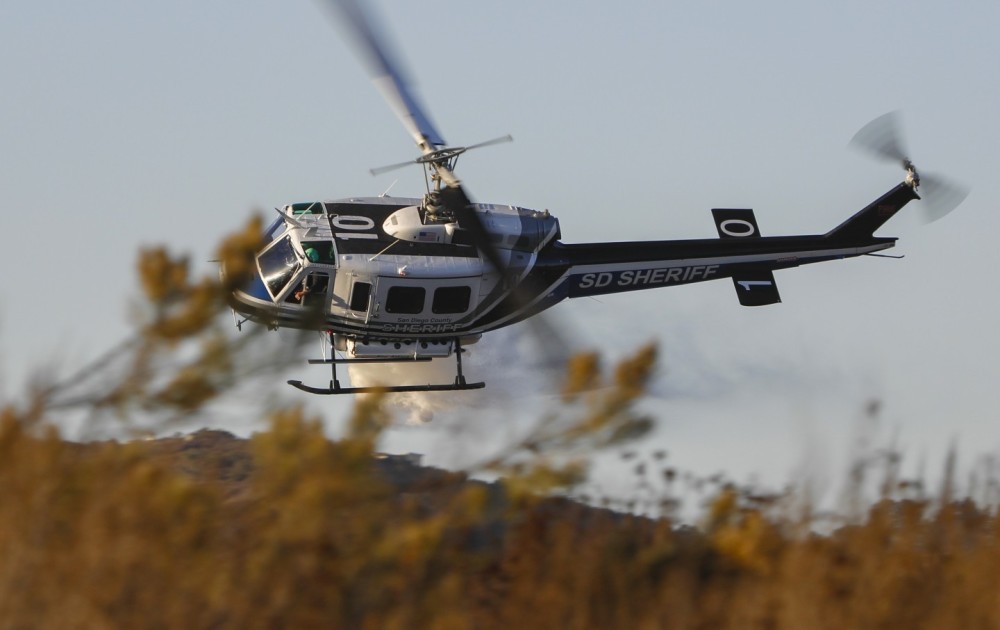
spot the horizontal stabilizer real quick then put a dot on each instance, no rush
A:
(756, 288)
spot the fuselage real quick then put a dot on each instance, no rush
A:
(389, 269)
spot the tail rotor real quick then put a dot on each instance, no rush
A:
(883, 139)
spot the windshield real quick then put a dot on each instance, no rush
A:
(277, 265)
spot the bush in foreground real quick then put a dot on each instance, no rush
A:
(293, 529)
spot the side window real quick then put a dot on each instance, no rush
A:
(311, 291)
(451, 300)
(406, 300)
(359, 296)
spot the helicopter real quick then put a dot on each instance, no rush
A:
(396, 280)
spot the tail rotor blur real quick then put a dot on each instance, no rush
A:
(883, 139)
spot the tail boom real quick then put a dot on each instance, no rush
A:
(748, 268)
(564, 270)
(740, 253)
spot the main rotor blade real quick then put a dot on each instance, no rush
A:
(456, 201)
(882, 138)
(548, 337)
(489, 143)
(378, 170)
(387, 73)
(390, 80)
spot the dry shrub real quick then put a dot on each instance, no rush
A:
(293, 529)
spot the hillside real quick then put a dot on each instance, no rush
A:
(290, 529)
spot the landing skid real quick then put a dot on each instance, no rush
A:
(335, 387)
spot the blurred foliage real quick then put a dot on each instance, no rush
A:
(293, 529)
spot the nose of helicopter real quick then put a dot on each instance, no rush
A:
(253, 287)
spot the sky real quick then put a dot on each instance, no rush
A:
(126, 124)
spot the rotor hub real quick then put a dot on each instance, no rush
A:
(441, 156)
(912, 177)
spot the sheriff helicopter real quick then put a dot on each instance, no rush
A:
(389, 279)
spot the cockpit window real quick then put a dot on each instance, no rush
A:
(277, 265)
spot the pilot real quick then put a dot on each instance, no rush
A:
(305, 288)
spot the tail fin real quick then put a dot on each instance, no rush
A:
(863, 224)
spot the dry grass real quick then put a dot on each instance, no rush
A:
(291, 529)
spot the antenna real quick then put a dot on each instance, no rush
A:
(289, 218)
(386, 193)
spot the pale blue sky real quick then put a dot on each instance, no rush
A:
(125, 123)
